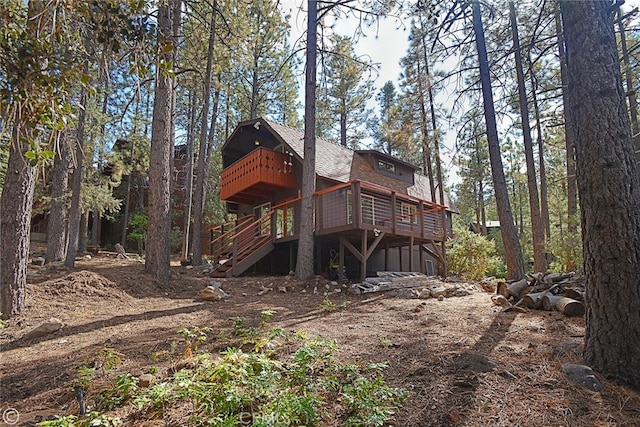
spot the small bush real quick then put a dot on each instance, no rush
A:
(468, 255)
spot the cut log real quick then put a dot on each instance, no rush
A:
(549, 301)
(534, 300)
(501, 289)
(515, 289)
(536, 277)
(570, 307)
(567, 306)
(573, 293)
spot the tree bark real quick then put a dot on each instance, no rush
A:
(189, 166)
(304, 264)
(572, 189)
(609, 188)
(544, 196)
(202, 169)
(15, 231)
(631, 92)
(512, 250)
(537, 229)
(76, 185)
(57, 222)
(158, 247)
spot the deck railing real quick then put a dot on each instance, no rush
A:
(261, 166)
(360, 205)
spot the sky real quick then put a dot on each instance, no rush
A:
(385, 43)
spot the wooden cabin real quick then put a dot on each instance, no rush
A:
(373, 212)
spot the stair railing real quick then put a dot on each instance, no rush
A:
(252, 237)
(224, 242)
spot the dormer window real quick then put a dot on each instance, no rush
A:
(386, 166)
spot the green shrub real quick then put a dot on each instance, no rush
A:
(468, 255)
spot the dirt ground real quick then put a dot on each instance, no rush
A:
(463, 360)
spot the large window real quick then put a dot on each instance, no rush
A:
(284, 222)
(408, 212)
(367, 206)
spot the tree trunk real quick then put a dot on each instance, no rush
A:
(544, 197)
(15, 231)
(189, 166)
(512, 250)
(537, 229)
(83, 231)
(304, 265)
(343, 123)
(631, 92)
(572, 189)
(76, 186)
(609, 188)
(158, 247)
(57, 222)
(202, 170)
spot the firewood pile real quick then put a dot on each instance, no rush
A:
(550, 291)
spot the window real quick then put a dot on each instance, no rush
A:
(260, 212)
(386, 166)
(284, 222)
(367, 206)
(408, 213)
(367, 209)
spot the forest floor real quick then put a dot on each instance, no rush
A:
(463, 360)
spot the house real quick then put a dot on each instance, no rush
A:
(372, 211)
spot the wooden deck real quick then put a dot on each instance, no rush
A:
(362, 206)
(358, 215)
(258, 173)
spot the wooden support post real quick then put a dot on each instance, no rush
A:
(386, 256)
(393, 213)
(341, 261)
(422, 268)
(400, 258)
(411, 254)
(421, 217)
(363, 248)
(357, 204)
(444, 271)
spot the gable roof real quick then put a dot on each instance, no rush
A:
(339, 163)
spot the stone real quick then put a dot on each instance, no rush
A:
(264, 290)
(122, 254)
(38, 261)
(424, 294)
(87, 257)
(211, 293)
(145, 380)
(437, 291)
(583, 375)
(282, 289)
(475, 362)
(44, 328)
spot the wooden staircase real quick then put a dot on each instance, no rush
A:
(241, 246)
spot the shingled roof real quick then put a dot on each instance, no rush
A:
(339, 163)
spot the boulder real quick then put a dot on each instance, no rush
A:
(583, 375)
(211, 293)
(44, 328)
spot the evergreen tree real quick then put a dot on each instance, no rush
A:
(347, 86)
